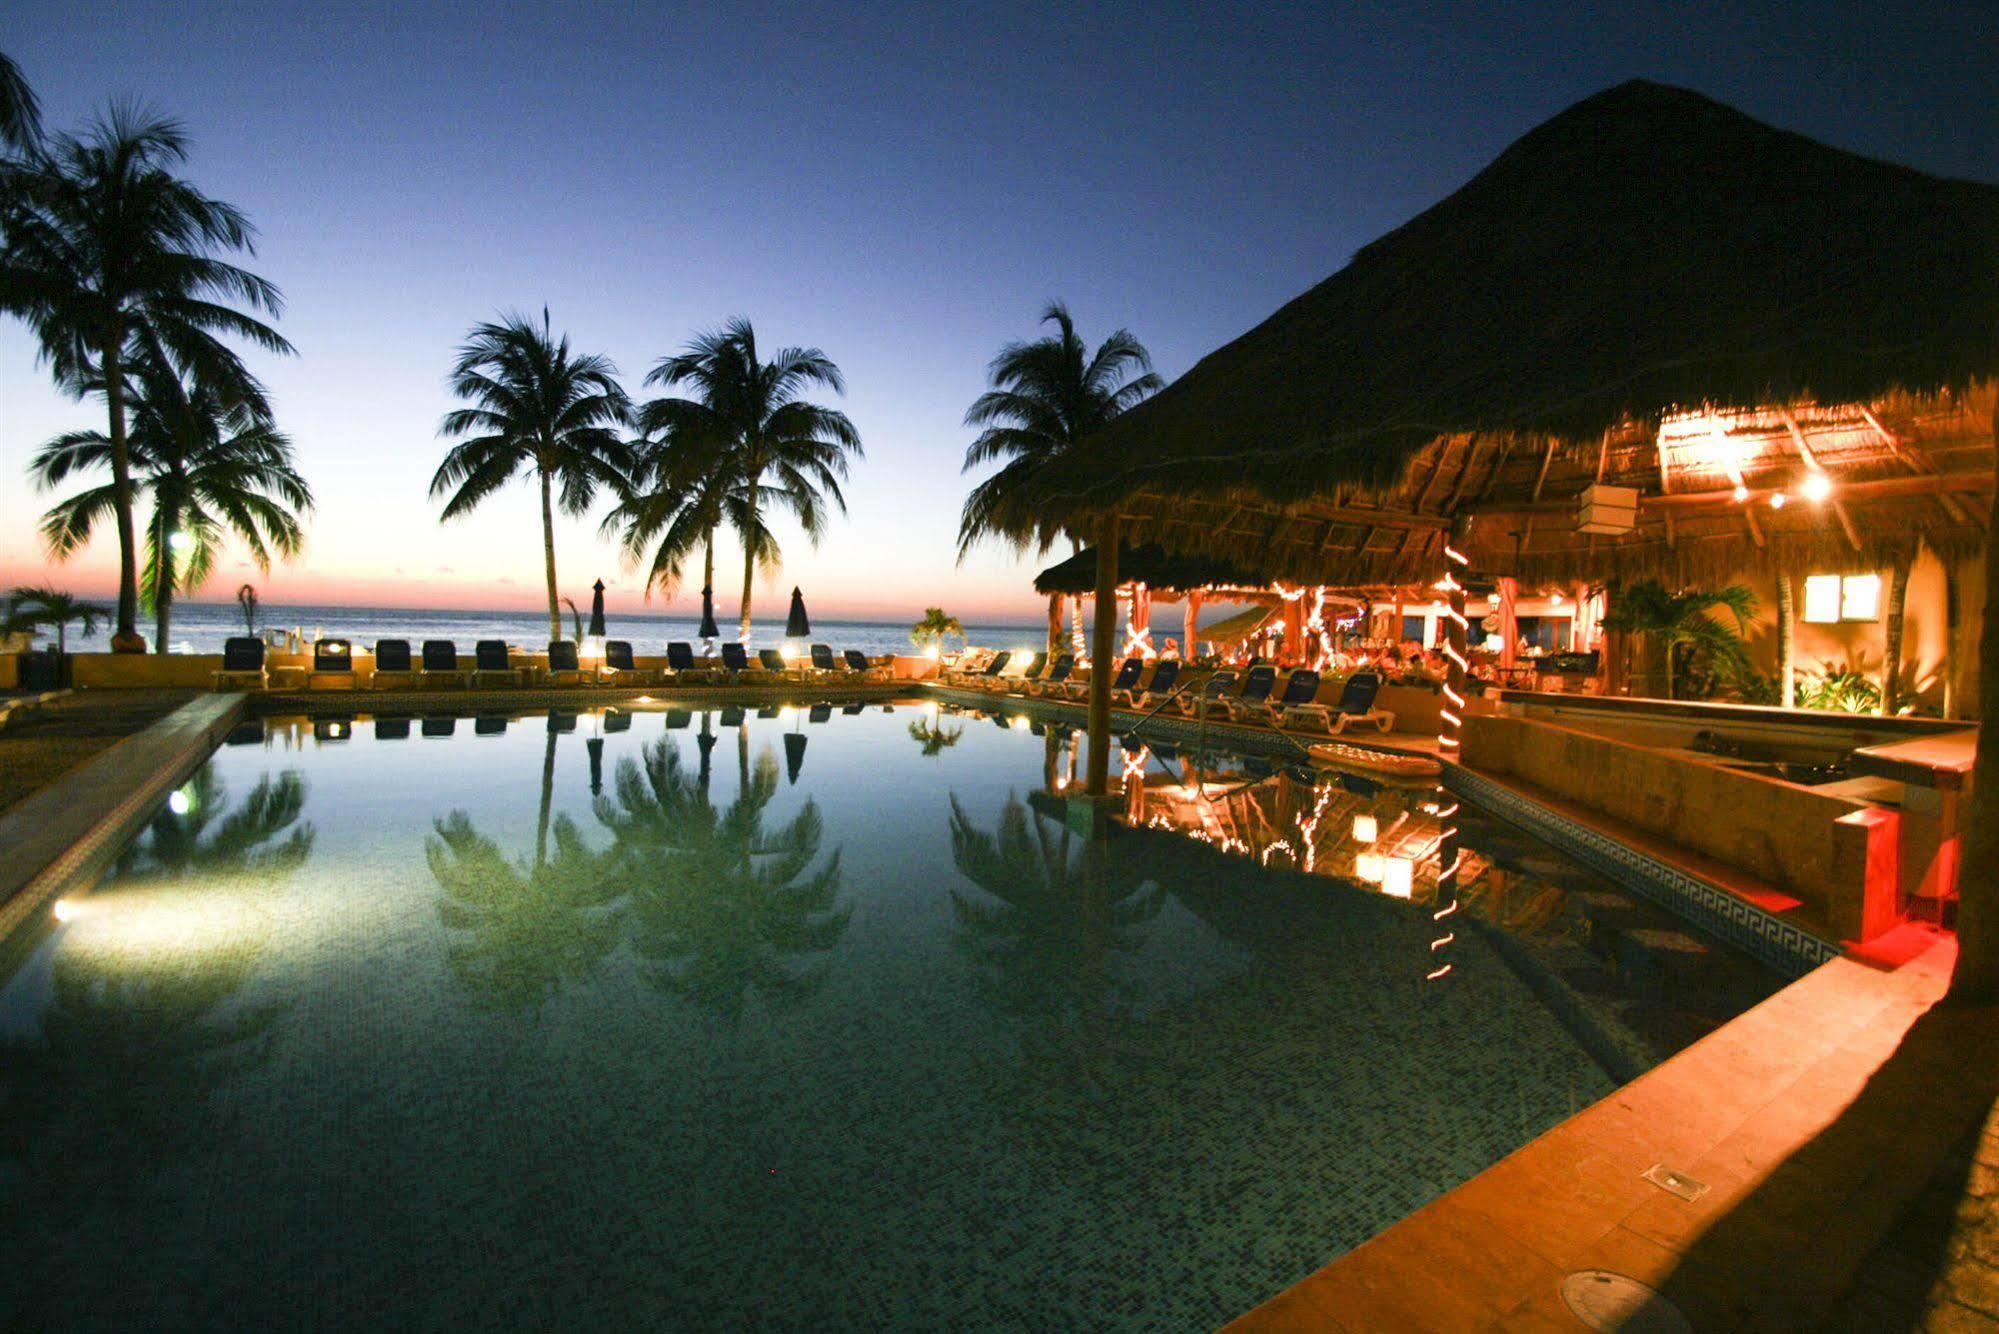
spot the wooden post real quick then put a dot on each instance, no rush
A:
(1891, 652)
(1190, 642)
(1953, 614)
(1102, 662)
(1054, 624)
(1509, 626)
(1976, 977)
(1787, 643)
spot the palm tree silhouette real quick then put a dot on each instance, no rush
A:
(744, 441)
(933, 735)
(107, 246)
(722, 904)
(536, 924)
(1057, 915)
(211, 460)
(31, 608)
(20, 109)
(536, 405)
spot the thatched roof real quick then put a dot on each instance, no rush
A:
(1645, 255)
(1152, 566)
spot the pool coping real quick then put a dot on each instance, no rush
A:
(62, 838)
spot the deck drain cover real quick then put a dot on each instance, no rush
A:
(1607, 1301)
(1677, 1183)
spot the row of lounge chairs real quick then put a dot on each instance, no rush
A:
(244, 667)
(1245, 698)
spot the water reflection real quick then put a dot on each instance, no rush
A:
(724, 905)
(933, 735)
(140, 1028)
(1057, 917)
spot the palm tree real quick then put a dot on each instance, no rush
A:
(538, 405)
(1047, 397)
(1669, 621)
(210, 462)
(743, 442)
(934, 628)
(31, 608)
(105, 246)
(20, 111)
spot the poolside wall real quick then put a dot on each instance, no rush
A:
(1838, 856)
(191, 670)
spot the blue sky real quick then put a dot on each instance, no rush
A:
(902, 186)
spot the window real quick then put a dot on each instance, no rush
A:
(1831, 598)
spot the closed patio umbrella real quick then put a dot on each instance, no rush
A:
(596, 630)
(710, 632)
(794, 755)
(796, 626)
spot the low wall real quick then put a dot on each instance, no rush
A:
(1838, 856)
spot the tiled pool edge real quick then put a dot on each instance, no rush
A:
(87, 815)
(1783, 946)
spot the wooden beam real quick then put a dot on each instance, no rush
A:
(1877, 489)
(1912, 457)
(1755, 525)
(1547, 460)
(1665, 473)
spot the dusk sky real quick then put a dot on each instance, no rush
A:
(904, 187)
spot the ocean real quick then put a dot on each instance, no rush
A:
(200, 627)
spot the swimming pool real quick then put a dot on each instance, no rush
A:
(791, 1017)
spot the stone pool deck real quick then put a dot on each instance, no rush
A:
(1829, 1125)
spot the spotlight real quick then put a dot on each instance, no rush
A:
(1741, 492)
(179, 802)
(1816, 487)
(1778, 500)
(64, 910)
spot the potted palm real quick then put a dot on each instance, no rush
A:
(1684, 647)
(930, 633)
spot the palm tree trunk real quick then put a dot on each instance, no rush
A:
(1953, 614)
(1976, 977)
(548, 556)
(749, 560)
(1891, 655)
(123, 639)
(547, 798)
(163, 574)
(1076, 639)
(1787, 644)
(1102, 654)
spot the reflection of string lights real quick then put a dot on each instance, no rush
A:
(1446, 899)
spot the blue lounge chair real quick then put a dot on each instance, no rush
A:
(332, 664)
(489, 661)
(1125, 681)
(773, 662)
(1254, 696)
(680, 664)
(242, 664)
(1197, 703)
(393, 666)
(564, 666)
(440, 662)
(736, 659)
(1356, 705)
(1164, 677)
(1300, 689)
(857, 662)
(1059, 669)
(621, 668)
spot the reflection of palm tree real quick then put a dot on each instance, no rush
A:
(536, 925)
(133, 1041)
(1061, 912)
(723, 904)
(933, 735)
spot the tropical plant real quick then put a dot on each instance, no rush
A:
(723, 904)
(28, 609)
(1047, 398)
(934, 628)
(106, 247)
(246, 602)
(1683, 639)
(20, 110)
(1840, 688)
(744, 442)
(211, 463)
(539, 407)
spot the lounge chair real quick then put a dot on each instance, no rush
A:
(392, 660)
(332, 729)
(985, 680)
(562, 720)
(857, 661)
(1254, 697)
(1196, 703)
(440, 662)
(824, 663)
(243, 664)
(489, 660)
(617, 720)
(565, 667)
(490, 724)
(677, 719)
(1125, 683)
(249, 733)
(773, 662)
(819, 713)
(620, 668)
(332, 664)
(1055, 677)
(974, 662)
(439, 727)
(1300, 689)
(1164, 676)
(736, 661)
(1356, 705)
(392, 729)
(680, 664)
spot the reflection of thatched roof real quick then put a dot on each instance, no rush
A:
(1646, 254)
(1152, 566)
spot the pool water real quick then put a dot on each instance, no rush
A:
(796, 1019)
